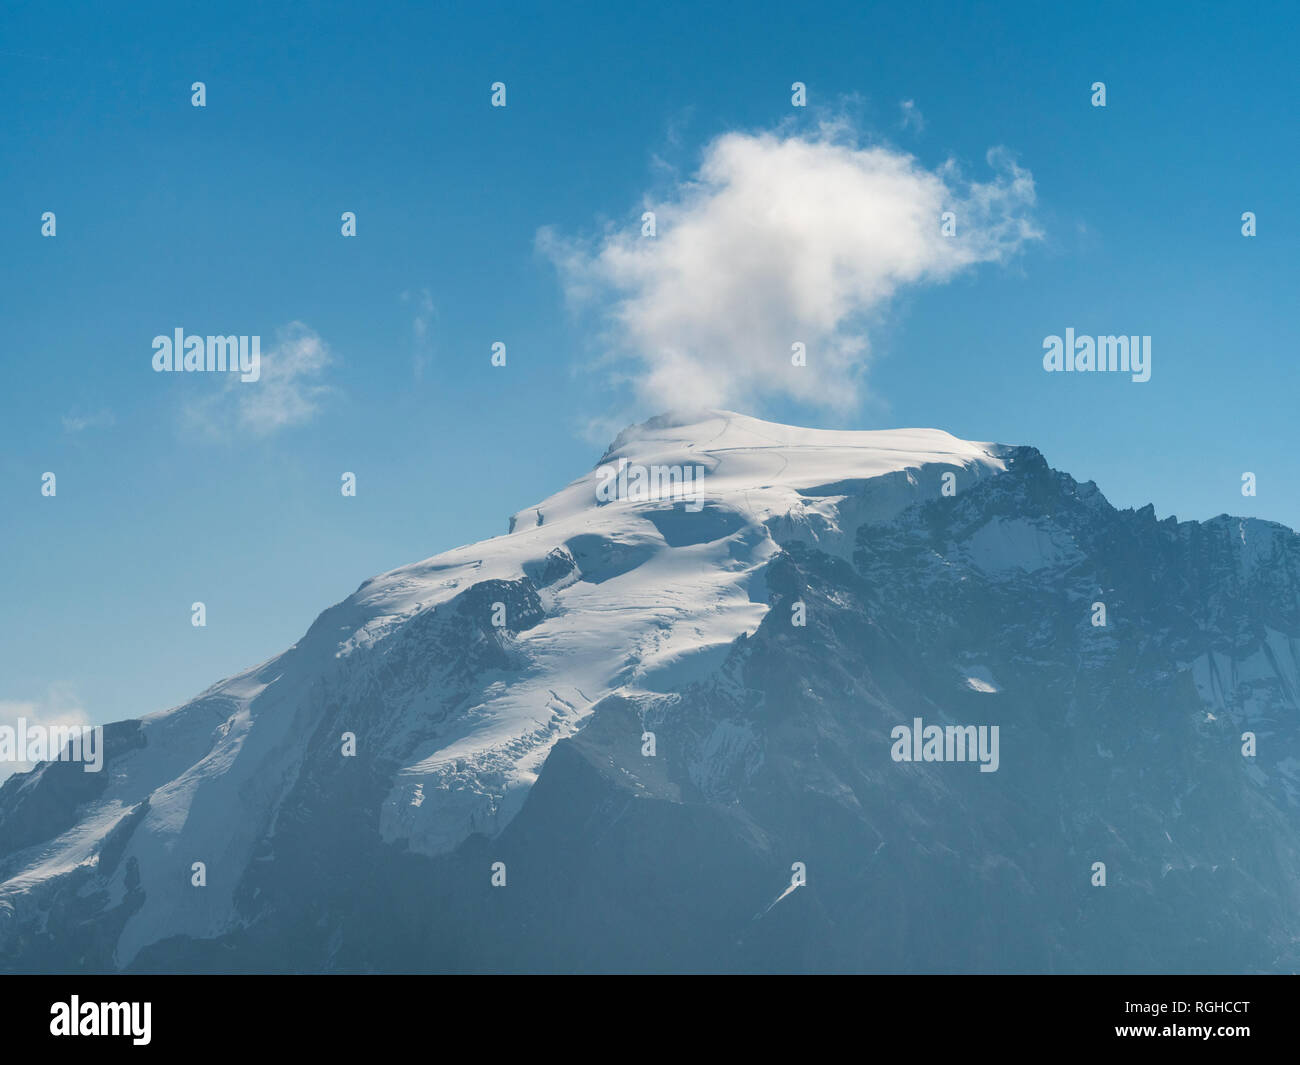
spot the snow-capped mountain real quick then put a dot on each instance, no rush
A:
(681, 676)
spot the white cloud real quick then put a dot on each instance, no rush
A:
(779, 239)
(59, 707)
(288, 393)
(912, 117)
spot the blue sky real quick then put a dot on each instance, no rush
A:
(225, 219)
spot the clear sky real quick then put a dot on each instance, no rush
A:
(478, 224)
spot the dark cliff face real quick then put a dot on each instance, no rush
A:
(1118, 743)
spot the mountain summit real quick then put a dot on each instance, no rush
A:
(675, 720)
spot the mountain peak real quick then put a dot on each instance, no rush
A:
(724, 429)
(759, 468)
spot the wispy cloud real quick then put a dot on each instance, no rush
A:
(912, 117)
(289, 392)
(781, 239)
(421, 301)
(75, 422)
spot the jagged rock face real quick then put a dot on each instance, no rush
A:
(774, 743)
